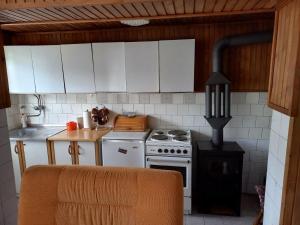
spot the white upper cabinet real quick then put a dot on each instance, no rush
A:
(78, 68)
(109, 66)
(19, 69)
(141, 65)
(47, 67)
(177, 60)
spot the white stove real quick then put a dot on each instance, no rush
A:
(169, 143)
(172, 150)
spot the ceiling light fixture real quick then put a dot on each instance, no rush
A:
(135, 23)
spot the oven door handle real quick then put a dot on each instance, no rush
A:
(169, 161)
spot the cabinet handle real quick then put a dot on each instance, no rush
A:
(16, 149)
(79, 150)
(70, 150)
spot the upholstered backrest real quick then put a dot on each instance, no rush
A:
(73, 195)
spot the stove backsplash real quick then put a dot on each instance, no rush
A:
(250, 125)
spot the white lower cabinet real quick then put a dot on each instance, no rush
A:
(68, 153)
(32, 153)
(62, 152)
(16, 165)
(35, 153)
(86, 153)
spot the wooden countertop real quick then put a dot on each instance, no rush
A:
(80, 135)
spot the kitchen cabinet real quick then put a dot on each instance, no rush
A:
(176, 65)
(35, 153)
(284, 83)
(47, 67)
(25, 154)
(17, 164)
(109, 66)
(141, 66)
(63, 153)
(19, 69)
(78, 68)
(73, 153)
(86, 153)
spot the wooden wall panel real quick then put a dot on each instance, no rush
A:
(247, 67)
(4, 90)
(285, 75)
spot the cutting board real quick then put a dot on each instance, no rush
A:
(137, 123)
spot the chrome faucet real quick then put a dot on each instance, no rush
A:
(39, 107)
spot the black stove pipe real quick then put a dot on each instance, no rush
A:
(245, 39)
(219, 85)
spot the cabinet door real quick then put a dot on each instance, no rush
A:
(47, 66)
(86, 153)
(284, 81)
(62, 150)
(16, 165)
(19, 69)
(141, 65)
(109, 66)
(78, 68)
(35, 153)
(176, 65)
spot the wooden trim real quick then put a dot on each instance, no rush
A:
(60, 3)
(75, 22)
(273, 56)
(75, 152)
(50, 154)
(21, 155)
(4, 91)
(278, 108)
(98, 155)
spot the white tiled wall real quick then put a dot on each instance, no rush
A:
(276, 162)
(250, 125)
(8, 200)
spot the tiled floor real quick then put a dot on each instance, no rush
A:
(249, 210)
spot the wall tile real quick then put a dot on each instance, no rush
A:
(133, 98)
(252, 98)
(144, 98)
(61, 98)
(155, 99)
(56, 108)
(149, 109)
(188, 121)
(189, 98)
(255, 133)
(166, 98)
(71, 98)
(112, 98)
(101, 98)
(66, 108)
(81, 98)
(194, 110)
(160, 109)
(91, 98)
(243, 110)
(139, 109)
(200, 98)
(171, 109)
(257, 110)
(127, 107)
(177, 98)
(263, 122)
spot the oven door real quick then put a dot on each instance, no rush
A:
(182, 165)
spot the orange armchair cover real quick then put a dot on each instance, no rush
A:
(75, 195)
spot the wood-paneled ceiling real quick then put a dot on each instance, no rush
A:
(43, 15)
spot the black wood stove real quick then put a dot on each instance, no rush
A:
(220, 164)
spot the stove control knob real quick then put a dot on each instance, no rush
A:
(178, 151)
(159, 150)
(166, 150)
(172, 150)
(185, 151)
